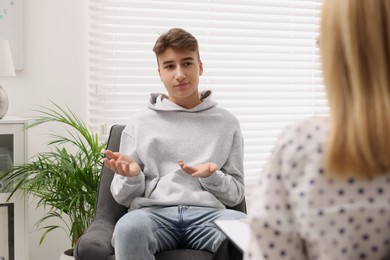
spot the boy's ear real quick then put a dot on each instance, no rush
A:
(200, 68)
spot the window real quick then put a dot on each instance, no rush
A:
(260, 59)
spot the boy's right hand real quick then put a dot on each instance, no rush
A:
(121, 164)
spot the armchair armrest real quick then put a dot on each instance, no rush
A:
(95, 243)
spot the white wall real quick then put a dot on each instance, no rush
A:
(54, 69)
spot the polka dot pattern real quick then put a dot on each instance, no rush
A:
(299, 213)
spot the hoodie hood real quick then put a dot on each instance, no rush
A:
(161, 102)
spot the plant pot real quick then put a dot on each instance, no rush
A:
(67, 255)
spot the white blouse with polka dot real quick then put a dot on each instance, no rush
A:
(299, 213)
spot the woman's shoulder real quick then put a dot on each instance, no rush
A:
(314, 123)
(304, 136)
(307, 128)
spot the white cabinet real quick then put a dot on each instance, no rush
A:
(13, 221)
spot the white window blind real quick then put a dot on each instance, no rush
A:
(260, 59)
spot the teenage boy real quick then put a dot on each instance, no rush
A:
(180, 161)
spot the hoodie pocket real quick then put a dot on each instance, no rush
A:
(151, 187)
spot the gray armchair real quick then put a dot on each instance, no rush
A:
(95, 244)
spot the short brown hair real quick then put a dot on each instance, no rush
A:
(177, 39)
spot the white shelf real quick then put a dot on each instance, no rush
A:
(13, 120)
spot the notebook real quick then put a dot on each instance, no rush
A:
(237, 231)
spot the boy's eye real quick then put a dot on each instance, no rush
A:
(186, 64)
(170, 66)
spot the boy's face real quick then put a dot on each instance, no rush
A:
(180, 71)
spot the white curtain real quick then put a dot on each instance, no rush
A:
(260, 59)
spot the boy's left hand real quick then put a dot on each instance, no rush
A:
(201, 170)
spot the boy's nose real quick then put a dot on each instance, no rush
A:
(179, 74)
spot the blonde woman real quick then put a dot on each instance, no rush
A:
(324, 193)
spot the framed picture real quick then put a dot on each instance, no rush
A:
(11, 28)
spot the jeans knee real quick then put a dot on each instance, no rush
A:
(133, 236)
(133, 227)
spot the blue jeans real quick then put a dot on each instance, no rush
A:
(140, 233)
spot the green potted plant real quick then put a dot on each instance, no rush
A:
(64, 178)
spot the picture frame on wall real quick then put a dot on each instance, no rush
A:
(11, 28)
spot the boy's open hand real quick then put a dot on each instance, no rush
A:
(201, 170)
(121, 164)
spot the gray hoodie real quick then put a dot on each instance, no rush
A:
(158, 136)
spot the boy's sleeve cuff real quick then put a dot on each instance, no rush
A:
(214, 179)
(132, 180)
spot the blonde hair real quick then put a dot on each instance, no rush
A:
(355, 50)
